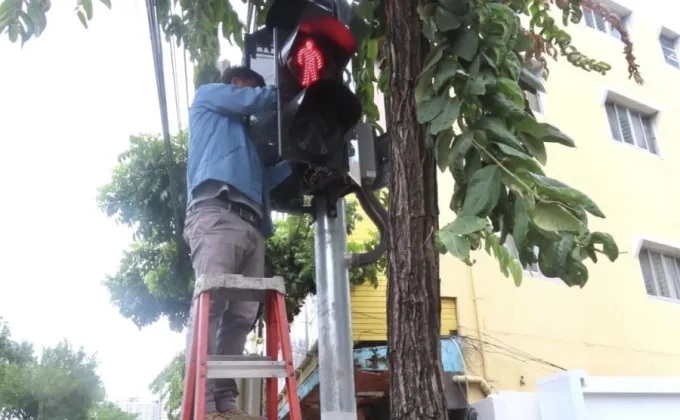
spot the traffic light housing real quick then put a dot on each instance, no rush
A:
(304, 51)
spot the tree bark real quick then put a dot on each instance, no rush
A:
(413, 303)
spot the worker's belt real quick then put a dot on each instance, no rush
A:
(241, 210)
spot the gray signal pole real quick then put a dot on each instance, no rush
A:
(335, 343)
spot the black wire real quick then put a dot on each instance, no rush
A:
(157, 51)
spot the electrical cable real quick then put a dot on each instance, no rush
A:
(186, 76)
(175, 84)
(462, 360)
(157, 52)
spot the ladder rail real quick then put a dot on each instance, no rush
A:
(201, 366)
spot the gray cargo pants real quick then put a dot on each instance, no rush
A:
(222, 242)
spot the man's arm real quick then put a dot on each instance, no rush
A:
(277, 174)
(228, 99)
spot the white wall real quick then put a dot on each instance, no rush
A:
(574, 395)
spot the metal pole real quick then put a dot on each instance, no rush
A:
(336, 364)
(277, 75)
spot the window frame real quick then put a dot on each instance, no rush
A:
(645, 119)
(609, 29)
(537, 69)
(673, 50)
(533, 271)
(645, 257)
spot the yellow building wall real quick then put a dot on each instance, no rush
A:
(369, 303)
(611, 326)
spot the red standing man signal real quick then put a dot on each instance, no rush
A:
(310, 59)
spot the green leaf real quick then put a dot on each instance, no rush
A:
(28, 23)
(476, 86)
(443, 148)
(459, 7)
(528, 124)
(447, 116)
(553, 217)
(483, 191)
(462, 144)
(466, 44)
(516, 159)
(446, 21)
(511, 151)
(512, 90)
(87, 6)
(546, 260)
(513, 65)
(106, 3)
(521, 225)
(576, 274)
(464, 225)
(543, 131)
(536, 84)
(446, 69)
(433, 57)
(82, 18)
(424, 10)
(558, 190)
(609, 247)
(535, 146)
(553, 134)
(372, 49)
(423, 88)
(516, 271)
(459, 246)
(430, 108)
(563, 249)
(37, 16)
(496, 129)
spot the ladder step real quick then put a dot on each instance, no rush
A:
(223, 367)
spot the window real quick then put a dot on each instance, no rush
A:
(668, 46)
(535, 101)
(661, 273)
(533, 268)
(631, 127)
(597, 21)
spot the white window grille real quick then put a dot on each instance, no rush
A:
(533, 269)
(669, 48)
(631, 127)
(661, 273)
(597, 21)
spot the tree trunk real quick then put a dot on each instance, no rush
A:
(413, 303)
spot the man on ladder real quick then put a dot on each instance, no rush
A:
(228, 214)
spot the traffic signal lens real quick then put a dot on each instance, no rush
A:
(309, 61)
(321, 115)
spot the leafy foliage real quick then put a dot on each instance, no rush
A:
(155, 277)
(109, 411)
(169, 385)
(471, 98)
(62, 383)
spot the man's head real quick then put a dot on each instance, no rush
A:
(242, 77)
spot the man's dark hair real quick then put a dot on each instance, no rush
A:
(243, 73)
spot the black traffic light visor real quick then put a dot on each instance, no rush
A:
(318, 118)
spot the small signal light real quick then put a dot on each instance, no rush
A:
(310, 61)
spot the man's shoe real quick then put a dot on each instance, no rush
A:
(213, 415)
(236, 414)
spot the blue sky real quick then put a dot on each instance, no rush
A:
(69, 101)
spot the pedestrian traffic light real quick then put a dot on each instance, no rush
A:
(304, 50)
(317, 109)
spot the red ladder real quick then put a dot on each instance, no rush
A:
(203, 366)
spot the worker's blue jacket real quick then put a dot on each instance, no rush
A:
(221, 149)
